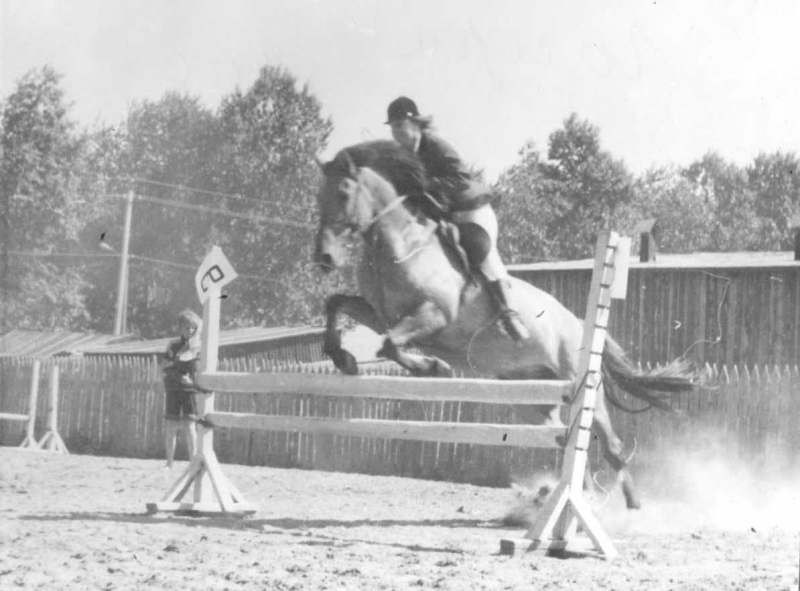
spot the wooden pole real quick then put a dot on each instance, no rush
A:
(52, 440)
(557, 521)
(212, 493)
(120, 316)
(33, 398)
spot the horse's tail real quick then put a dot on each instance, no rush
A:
(654, 387)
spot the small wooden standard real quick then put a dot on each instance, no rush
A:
(51, 441)
(566, 506)
(29, 441)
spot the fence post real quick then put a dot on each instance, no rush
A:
(33, 398)
(52, 440)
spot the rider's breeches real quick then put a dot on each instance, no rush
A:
(492, 265)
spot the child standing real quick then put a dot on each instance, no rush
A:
(179, 371)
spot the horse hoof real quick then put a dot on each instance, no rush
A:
(345, 362)
(440, 369)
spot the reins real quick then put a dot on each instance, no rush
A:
(392, 205)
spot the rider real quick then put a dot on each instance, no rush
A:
(454, 194)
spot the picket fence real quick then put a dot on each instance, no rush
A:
(114, 406)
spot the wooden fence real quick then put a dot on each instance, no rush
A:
(114, 406)
(726, 315)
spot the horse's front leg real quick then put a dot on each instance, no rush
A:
(426, 320)
(359, 310)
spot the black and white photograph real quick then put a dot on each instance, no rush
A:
(399, 294)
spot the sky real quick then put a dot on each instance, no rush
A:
(665, 82)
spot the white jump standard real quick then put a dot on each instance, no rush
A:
(556, 523)
(29, 442)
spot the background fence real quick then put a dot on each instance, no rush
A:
(714, 314)
(114, 406)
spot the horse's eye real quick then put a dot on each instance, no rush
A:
(344, 191)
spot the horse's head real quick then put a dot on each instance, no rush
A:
(346, 207)
(362, 183)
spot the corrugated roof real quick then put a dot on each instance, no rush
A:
(227, 338)
(34, 343)
(29, 343)
(694, 260)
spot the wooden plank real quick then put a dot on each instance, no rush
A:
(473, 433)
(392, 387)
(10, 416)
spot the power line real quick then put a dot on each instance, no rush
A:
(187, 188)
(192, 189)
(206, 209)
(44, 254)
(209, 192)
(133, 257)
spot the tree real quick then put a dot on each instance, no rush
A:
(723, 188)
(773, 179)
(271, 134)
(524, 212)
(41, 209)
(563, 202)
(684, 220)
(164, 147)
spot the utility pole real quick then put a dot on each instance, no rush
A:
(122, 282)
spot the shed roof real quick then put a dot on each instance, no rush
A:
(35, 343)
(227, 338)
(30, 343)
(694, 260)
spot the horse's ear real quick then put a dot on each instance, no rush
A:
(352, 169)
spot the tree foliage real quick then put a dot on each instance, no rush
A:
(561, 203)
(270, 136)
(41, 208)
(774, 182)
(243, 175)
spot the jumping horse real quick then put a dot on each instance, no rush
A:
(412, 291)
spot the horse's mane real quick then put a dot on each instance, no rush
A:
(398, 165)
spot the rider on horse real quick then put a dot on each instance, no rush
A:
(454, 194)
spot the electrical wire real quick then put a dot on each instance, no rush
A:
(133, 258)
(277, 221)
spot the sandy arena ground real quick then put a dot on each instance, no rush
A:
(79, 522)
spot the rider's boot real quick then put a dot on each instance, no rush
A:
(512, 323)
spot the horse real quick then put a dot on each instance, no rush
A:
(412, 291)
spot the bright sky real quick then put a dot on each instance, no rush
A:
(664, 81)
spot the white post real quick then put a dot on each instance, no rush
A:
(52, 440)
(209, 354)
(566, 505)
(33, 399)
(122, 280)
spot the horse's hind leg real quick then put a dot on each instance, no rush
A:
(426, 320)
(359, 310)
(612, 451)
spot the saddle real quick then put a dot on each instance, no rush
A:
(456, 240)
(449, 235)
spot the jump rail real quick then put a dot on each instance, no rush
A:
(556, 523)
